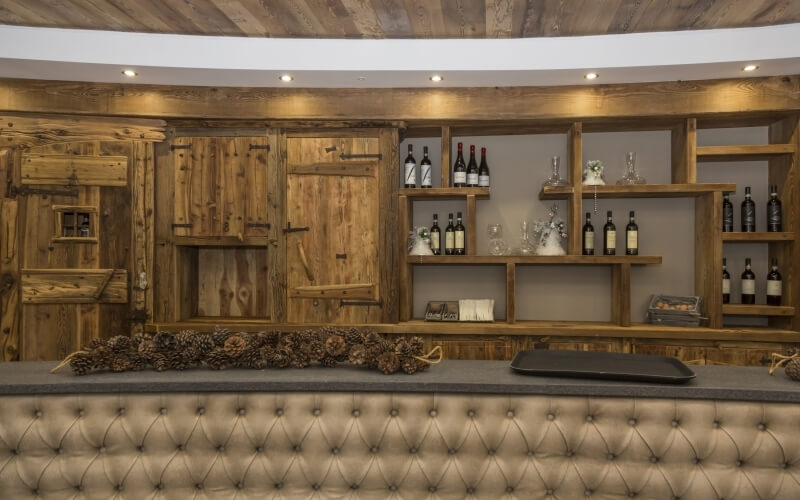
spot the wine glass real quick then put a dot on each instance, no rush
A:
(497, 246)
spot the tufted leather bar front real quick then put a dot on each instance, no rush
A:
(404, 445)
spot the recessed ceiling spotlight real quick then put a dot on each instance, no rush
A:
(362, 78)
(437, 78)
(286, 78)
(129, 73)
(591, 76)
(750, 67)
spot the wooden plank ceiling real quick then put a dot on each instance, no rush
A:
(398, 18)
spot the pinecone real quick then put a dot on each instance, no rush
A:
(357, 355)
(335, 346)
(375, 351)
(217, 359)
(160, 362)
(353, 336)
(119, 343)
(402, 348)
(190, 355)
(177, 361)
(372, 338)
(138, 362)
(204, 343)
(81, 363)
(120, 363)
(220, 335)
(409, 365)
(147, 348)
(793, 369)
(417, 345)
(251, 358)
(136, 340)
(268, 338)
(164, 341)
(94, 344)
(315, 349)
(184, 338)
(388, 363)
(280, 357)
(235, 346)
(328, 362)
(299, 359)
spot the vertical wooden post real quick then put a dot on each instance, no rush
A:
(684, 152)
(165, 274)
(405, 275)
(142, 277)
(621, 294)
(471, 226)
(511, 281)
(387, 207)
(708, 255)
(276, 214)
(575, 202)
(447, 144)
(9, 263)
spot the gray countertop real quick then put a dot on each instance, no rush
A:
(451, 376)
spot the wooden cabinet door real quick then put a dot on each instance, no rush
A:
(220, 186)
(333, 265)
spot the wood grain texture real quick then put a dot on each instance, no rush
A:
(231, 282)
(684, 152)
(405, 273)
(534, 259)
(165, 274)
(758, 237)
(638, 191)
(757, 310)
(574, 204)
(621, 294)
(276, 209)
(748, 96)
(74, 286)
(448, 193)
(471, 226)
(397, 18)
(142, 208)
(9, 276)
(74, 170)
(388, 207)
(37, 130)
(511, 296)
(758, 152)
(708, 255)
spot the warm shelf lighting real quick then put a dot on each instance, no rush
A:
(286, 78)
(750, 67)
(129, 73)
(437, 78)
(591, 76)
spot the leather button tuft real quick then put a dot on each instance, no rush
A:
(180, 447)
(81, 413)
(715, 424)
(15, 451)
(373, 449)
(530, 453)
(199, 486)
(317, 412)
(549, 492)
(675, 423)
(102, 449)
(241, 411)
(491, 452)
(162, 411)
(394, 412)
(354, 486)
(259, 449)
(412, 450)
(37, 413)
(278, 486)
(201, 411)
(470, 490)
(510, 414)
(356, 413)
(432, 489)
(451, 451)
(631, 494)
(392, 488)
(471, 413)
(739, 463)
(631, 422)
(335, 450)
(550, 416)
(315, 487)
(140, 448)
(296, 448)
(696, 461)
(784, 465)
(433, 413)
(611, 456)
(569, 453)
(589, 418)
(762, 427)
(120, 411)
(120, 487)
(58, 451)
(653, 459)
(221, 447)
(509, 489)
(79, 487)
(588, 493)
(35, 491)
(279, 412)
(240, 485)
(159, 486)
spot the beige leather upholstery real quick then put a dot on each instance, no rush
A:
(361, 445)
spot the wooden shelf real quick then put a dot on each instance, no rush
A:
(450, 193)
(637, 191)
(757, 237)
(221, 241)
(759, 152)
(757, 310)
(534, 259)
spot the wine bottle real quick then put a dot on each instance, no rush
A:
(425, 169)
(609, 236)
(631, 237)
(460, 244)
(588, 236)
(748, 213)
(436, 236)
(460, 168)
(411, 169)
(449, 236)
(774, 285)
(774, 212)
(748, 284)
(727, 213)
(472, 168)
(483, 170)
(726, 282)
(84, 230)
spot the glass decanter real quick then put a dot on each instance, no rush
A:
(631, 176)
(525, 245)
(497, 245)
(555, 176)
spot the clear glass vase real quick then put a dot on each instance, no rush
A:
(497, 245)
(525, 246)
(555, 175)
(631, 175)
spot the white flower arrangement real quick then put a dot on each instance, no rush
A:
(593, 173)
(550, 232)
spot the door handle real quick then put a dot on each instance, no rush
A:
(304, 261)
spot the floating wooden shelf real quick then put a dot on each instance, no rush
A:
(534, 259)
(221, 241)
(757, 310)
(451, 193)
(757, 237)
(637, 191)
(759, 152)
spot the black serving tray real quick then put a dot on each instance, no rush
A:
(602, 365)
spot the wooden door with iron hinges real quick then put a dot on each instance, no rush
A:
(332, 234)
(221, 187)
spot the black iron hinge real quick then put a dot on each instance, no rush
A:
(352, 156)
(182, 224)
(258, 146)
(343, 303)
(15, 191)
(173, 147)
(290, 229)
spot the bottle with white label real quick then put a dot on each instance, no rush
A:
(410, 170)
(774, 285)
(632, 237)
(436, 236)
(449, 236)
(588, 236)
(460, 168)
(748, 284)
(726, 282)
(483, 170)
(425, 169)
(472, 168)
(774, 211)
(609, 236)
(460, 243)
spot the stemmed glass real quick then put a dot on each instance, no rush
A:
(555, 176)
(631, 176)
(497, 246)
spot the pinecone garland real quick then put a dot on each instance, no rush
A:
(81, 363)
(164, 341)
(315, 350)
(203, 343)
(353, 336)
(160, 362)
(357, 355)
(120, 363)
(94, 344)
(220, 335)
(235, 346)
(251, 358)
(388, 363)
(119, 343)
(335, 346)
(217, 359)
(409, 365)
(793, 369)
(184, 338)
(299, 359)
(328, 362)
(138, 362)
(280, 357)
(147, 347)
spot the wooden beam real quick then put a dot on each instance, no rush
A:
(472, 226)
(9, 276)
(447, 146)
(708, 255)
(276, 214)
(36, 130)
(74, 286)
(405, 274)
(388, 248)
(691, 98)
(74, 170)
(684, 152)
(621, 294)
(574, 202)
(511, 301)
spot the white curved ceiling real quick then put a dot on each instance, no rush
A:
(100, 56)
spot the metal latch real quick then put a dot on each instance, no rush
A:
(173, 147)
(290, 229)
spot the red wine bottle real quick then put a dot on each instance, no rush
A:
(483, 170)
(609, 236)
(461, 232)
(425, 169)
(632, 237)
(726, 282)
(748, 213)
(748, 284)
(410, 170)
(774, 285)
(472, 168)
(588, 236)
(449, 236)
(727, 213)
(460, 168)
(774, 212)
(436, 236)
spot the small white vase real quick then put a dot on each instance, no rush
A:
(550, 245)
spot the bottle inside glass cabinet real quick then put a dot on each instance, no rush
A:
(774, 285)
(748, 284)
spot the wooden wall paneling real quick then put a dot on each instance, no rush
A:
(29, 130)
(183, 169)
(474, 347)
(143, 220)
(621, 294)
(708, 255)
(74, 170)
(785, 172)
(575, 202)
(690, 353)
(389, 253)
(9, 272)
(74, 286)
(57, 330)
(405, 270)
(165, 275)
(256, 175)
(472, 226)
(684, 152)
(230, 185)
(231, 282)
(511, 301)
(185, 295)
(447, 147)
(276, 212)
